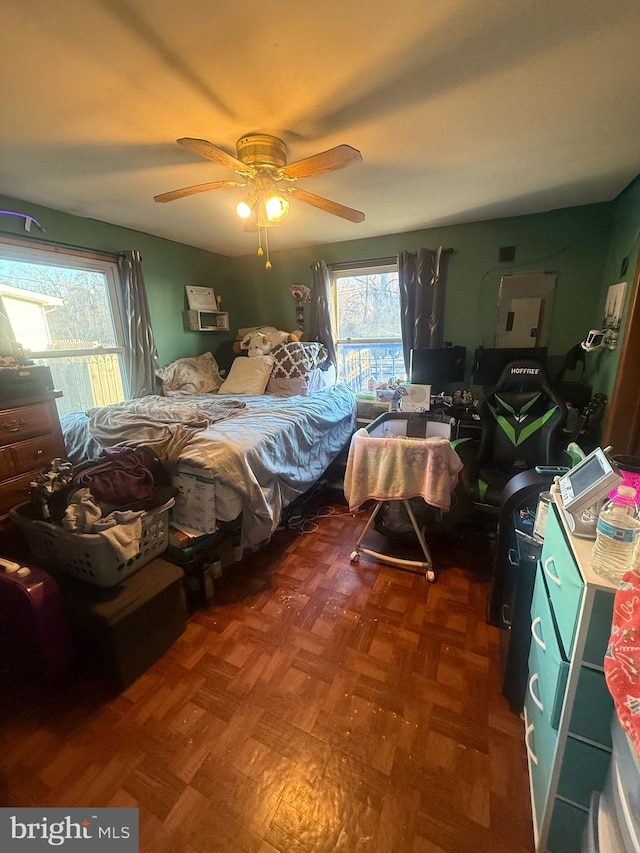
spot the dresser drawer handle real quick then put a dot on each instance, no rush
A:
(549, 561)
(538, 639)
(13, 426)
(530, 752)
(532, 681)
(512, 556)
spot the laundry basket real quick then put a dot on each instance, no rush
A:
(89, 556)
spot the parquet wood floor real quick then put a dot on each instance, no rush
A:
(315, 706)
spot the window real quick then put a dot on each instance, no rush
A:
(64, 310)
(367, 324)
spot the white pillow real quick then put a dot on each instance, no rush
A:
(299, 385)
(248, 375)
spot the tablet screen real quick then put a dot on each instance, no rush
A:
(586, 475)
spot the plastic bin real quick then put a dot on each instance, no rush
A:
(123, 630)
(623, 788)
(590, 836)
(89, 556)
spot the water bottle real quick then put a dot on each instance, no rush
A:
(616, 534)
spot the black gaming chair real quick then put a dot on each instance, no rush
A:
(521, 421)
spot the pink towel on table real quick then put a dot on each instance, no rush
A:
(397, 468)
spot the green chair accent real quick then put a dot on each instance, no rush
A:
(521, 428)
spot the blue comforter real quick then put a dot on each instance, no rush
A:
(266, 455)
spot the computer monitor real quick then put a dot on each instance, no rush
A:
(488, 364)
(437, 366)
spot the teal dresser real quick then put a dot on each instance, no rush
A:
(568, 708)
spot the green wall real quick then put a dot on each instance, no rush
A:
(167, 265)
(624, 243)
(572, 242)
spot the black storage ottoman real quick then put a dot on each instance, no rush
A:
(122, 630)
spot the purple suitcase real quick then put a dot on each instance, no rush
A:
(34, 636)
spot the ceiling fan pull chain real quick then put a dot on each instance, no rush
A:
(266, 242)
(260, 249)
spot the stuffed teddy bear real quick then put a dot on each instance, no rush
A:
(262, 340)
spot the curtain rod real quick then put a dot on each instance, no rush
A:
(20, 240)
(369, 262)
(374, 262)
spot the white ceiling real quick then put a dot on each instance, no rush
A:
(462, 109)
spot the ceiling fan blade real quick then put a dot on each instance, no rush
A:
(196, 188)
(327, 205)
(326, 161)
(212, 152)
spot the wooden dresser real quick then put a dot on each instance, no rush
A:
(30, 437)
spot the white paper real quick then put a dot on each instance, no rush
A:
(201, 298)
(195, 504)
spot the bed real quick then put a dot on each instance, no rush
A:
(243, 456)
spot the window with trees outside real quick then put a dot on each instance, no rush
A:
(367, 326)
(64, 311)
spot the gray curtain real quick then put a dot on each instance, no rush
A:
(321, 308)
(141, 354)
(7, 337)
(422, 280)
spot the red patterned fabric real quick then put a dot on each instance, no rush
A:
(622, 661)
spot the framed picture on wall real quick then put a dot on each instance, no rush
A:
(201, 298)
(612, 318)
(614, 306)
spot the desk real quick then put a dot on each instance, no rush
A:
(368, 410)
(468, 423)
(468, 428)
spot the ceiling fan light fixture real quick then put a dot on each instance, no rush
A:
(244, 209)
(276, 207)
(262, 165)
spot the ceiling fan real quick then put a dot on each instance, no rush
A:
(261, 162)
